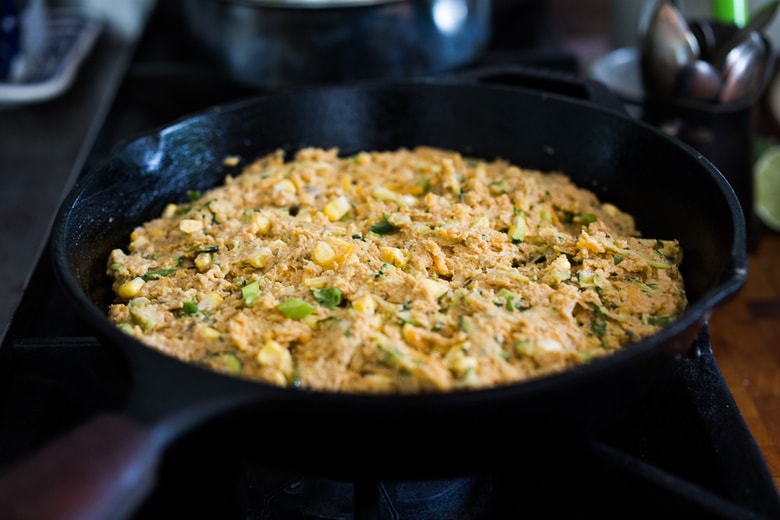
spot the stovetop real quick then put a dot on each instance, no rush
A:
(683, 449)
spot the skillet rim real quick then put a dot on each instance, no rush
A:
(690, 322)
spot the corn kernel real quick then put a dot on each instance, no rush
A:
(342, 249)
(231, 160)
(170, 211)
(399, 219)
(278, 378)
(386, 195)
(208, 333)
(316, 282)
(210, 301)
(365, 304)
(323, 254)
(285, 185)
(518, 229)
(336, 208)
(259, 223)
(130, 289)
(202, 261)
(458, 361)
(259, 257)
(481, 223)
(189, 225)
(363, 158)
(275, 355)
(138, 243)
(433, 289)
(413, 335)
(393, 255)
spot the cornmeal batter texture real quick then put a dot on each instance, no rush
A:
(403, 271)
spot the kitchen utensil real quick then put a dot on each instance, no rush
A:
(744, 68)
(756, 22)
(730, 11)
(533, 119)
(666, 46)
(698, 80)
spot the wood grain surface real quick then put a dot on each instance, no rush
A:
(745, 336)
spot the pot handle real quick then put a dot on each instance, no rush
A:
(101, 470)
(545, 81)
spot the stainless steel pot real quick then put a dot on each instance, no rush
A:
(276, 43)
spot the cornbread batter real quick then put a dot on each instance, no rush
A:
(399, 271)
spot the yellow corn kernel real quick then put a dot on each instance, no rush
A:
(384, 194)
(208, 333)
(323, 254)
(316, 282)
(481, 223)
(365, 304)
(610, 209)
(558, 271)
(399, 219)
(130, 289)
(336, 208)
(458, 361)
(170, 211)
(433, 289)
(363, 158)
(189, 225)
(285, 185)
(343, 249)
(138, 243)
(231, 160)
(393, 255)
(518, 229)
(275, 355)
(432, 201)
(259, 257)
(259, 224)
(202, 261)
(278, 378)
(413, 335)
(210, 301)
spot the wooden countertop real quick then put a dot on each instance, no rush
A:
(745, 337)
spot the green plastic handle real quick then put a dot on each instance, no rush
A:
(731, 11)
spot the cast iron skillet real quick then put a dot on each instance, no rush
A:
(108, 465)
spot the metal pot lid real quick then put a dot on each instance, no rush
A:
(317, 4)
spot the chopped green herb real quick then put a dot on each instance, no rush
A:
(154, 274)
(295, 308)
(227, 362)
(382, 270)
(208, 249)
(189, 308)
(250, 293)
(599, 325)
(383, 227)
(661, 321)
(193, 195)
(330, 297)
(498, 187)
(463, 324)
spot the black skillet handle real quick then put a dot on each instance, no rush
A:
(101, 470)
(544, 81)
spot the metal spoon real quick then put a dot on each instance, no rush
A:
(698, 80)
(757, 21)
(667, 45)
(744, 69)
